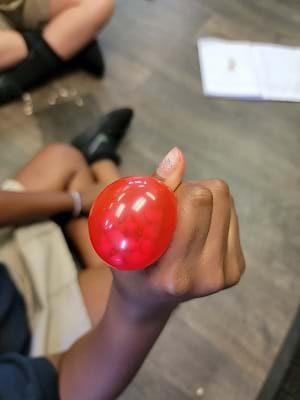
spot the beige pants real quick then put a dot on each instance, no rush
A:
(41, 265)
(30, 14)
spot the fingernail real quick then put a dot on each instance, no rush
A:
(169, 163)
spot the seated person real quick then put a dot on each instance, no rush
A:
(40, 38)
(57, 179)
(127, 310)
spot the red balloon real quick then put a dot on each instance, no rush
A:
(132, 222)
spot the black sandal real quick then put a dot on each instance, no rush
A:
(102, 139)
(91, 59)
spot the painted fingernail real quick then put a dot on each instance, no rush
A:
(169, 163)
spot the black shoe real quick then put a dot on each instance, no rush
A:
(101, 140)
(41, 64)
(91, 59)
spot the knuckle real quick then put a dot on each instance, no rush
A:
(179, 284)
(221, 186)
(218, 279)
(215, 281)
(205, 196)
(233, 278)
(199, 194)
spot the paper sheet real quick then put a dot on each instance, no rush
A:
(246, 70)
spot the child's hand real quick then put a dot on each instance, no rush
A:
(205, 255)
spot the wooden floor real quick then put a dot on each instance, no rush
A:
(290, 386)
(226, 344)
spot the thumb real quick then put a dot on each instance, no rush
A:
(171, 169)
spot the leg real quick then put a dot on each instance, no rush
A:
(12, 45)
(95, 281)
(74, 23)
(13, 48)
(105, 171)
(54, 168)
(61, 167)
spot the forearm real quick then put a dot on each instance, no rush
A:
(18, 208)
(102, 364)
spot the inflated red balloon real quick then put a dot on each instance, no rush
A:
(132, 222)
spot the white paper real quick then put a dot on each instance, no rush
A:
(248, 70)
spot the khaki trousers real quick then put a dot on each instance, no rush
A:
(42, 267)
(26, 14)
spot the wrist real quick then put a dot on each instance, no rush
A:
(63, 201)
(141, 309)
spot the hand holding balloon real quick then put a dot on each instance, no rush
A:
(204, 255)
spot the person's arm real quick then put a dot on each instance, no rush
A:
(204, 257)
(101, 364)
(18, 208)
